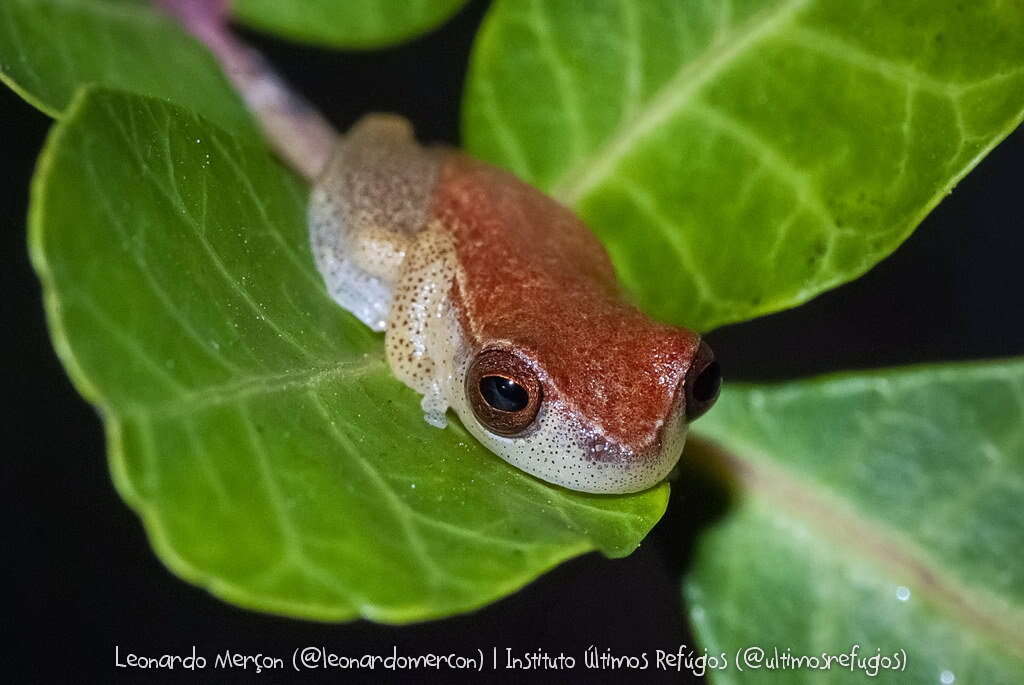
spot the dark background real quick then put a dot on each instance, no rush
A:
(83, 577)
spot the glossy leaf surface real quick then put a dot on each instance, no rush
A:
(50, 48)
(739, 157)
(252, 422)
(881, 510)
(346, 24)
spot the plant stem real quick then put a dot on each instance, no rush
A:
(298, 133)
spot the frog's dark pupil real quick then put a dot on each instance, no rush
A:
(708, 383)
(503, 394)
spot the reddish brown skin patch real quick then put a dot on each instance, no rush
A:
(536, 277)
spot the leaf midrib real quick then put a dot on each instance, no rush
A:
(587, 174)
(245, 387)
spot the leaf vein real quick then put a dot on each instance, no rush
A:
(675, 95)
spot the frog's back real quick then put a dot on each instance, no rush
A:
(526, 259)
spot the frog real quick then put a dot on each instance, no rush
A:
(498, 303)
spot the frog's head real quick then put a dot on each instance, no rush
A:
(601, 404)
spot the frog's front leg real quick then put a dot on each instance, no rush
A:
(425, 344)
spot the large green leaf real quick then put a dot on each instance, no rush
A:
(344, 23)
(741, 156)
(880, 509)
(50, 48)
(253, 423)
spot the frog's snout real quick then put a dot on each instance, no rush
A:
(702, 383)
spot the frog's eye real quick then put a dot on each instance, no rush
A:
(503, 391)
(703, 381)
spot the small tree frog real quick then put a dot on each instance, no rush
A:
(499, 303)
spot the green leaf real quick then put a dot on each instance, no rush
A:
(253, 423)
(50, 48)
(363, 24)
(880, 509)
(740, 157)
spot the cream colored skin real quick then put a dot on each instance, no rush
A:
(387, 262)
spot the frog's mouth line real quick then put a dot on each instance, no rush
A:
(561, 449)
